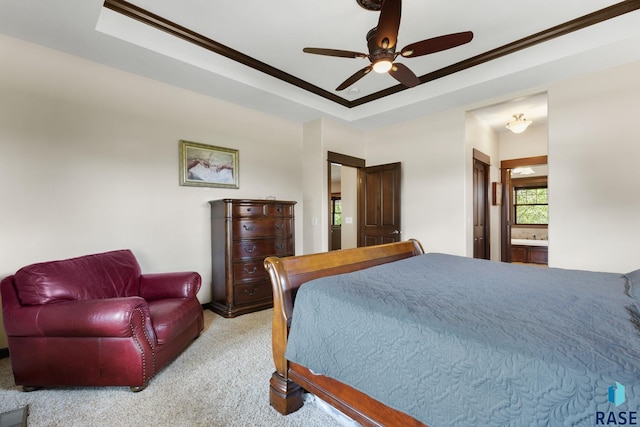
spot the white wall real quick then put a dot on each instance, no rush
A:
(89, 163)
(531, 143)
(594, 152)
(484, 139)
(314, 182)
(320, 137)
(349, 190)
(432, 154)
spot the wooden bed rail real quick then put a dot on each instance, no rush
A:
(288, 274)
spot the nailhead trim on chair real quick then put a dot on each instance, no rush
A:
(153, 353)
(153, 350)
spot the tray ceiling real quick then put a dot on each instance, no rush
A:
(250, 52)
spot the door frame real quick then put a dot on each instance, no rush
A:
(507, 190)
(354, 162)
(485, 160)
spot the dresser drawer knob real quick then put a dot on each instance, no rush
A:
(248, 227)
(280, 246)
(251, 291)
(246, 270)
(279, 227)
(250, 250)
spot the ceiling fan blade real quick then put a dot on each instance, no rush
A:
(404, 75)
(355, 77)
(436, 44)
(388, 24)
(334, 52)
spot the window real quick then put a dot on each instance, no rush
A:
(336, 211)
(531, 205)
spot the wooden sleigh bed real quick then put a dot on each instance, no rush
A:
(444, 340)
(289, 380)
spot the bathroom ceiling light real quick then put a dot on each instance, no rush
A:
(523, 171)
(519, 124)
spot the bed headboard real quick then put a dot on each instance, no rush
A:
(288, 274)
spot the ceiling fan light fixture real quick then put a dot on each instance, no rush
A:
(519, 125)
(382, 43)
(382, 66)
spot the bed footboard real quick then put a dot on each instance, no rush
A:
(287, 275)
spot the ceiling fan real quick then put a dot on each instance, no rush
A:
(381, 42)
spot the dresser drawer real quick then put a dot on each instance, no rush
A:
(248, 210)
(280, 210)
(261, 210)
(252, 291)
(243, 249)
(251, 270)
(248, 228)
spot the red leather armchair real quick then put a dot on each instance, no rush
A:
(97, 321)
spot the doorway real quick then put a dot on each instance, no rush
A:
(364, 202)
(508, 220)
(344, 186)
(343, 207)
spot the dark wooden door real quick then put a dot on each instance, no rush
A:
(380, 202)
(480, 210)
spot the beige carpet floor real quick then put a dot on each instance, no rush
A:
(222, 379)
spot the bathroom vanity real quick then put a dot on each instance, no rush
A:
(530, 251)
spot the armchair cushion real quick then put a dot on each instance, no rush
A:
(106, 275)
(171, 317)
(169, 285)
(88, 318)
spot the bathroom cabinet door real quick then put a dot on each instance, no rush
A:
(529, 254)
(518, 254)
(538, 255)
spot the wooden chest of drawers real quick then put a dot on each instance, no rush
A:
(243, 233)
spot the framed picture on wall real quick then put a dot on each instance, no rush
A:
(204, 165)
(496, 190)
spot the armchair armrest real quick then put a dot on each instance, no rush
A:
(156, 286)
(110, 317)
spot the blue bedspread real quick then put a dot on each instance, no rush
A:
(455, 341)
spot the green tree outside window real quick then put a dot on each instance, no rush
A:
(336, 211)
(531, 206)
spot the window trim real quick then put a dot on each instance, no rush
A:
(527, 183)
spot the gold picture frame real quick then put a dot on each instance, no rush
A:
(204, 165)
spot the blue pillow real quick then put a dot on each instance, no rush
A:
(634, 284)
